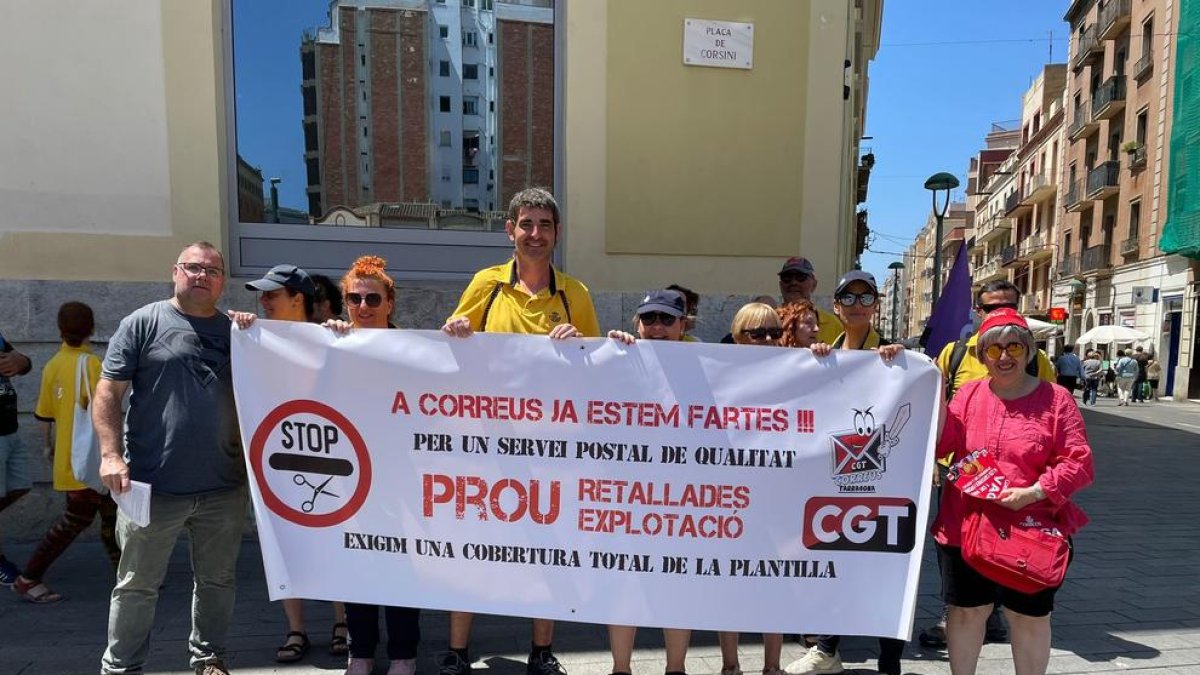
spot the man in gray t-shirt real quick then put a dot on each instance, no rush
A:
(181, 438)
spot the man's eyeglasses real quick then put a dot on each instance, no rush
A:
(864, 299)
(793, 277)
(195, 269)
(651, 318)
(373, 300)
(763, 333)
(1015, 350)
(988, 309)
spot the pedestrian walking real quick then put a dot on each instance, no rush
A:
(1069, 369)
(1153, 376)
(1126, 369)
(1093, 374)
(15, 476)
(1139, 384)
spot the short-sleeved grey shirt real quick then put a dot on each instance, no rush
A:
(181, 431)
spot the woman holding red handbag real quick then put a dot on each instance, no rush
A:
(1004, 529)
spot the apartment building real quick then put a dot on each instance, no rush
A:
(987, 181)
(1109, 269)
(919, 262)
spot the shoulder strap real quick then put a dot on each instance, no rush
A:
(956, 359)
(566, 305)
(83, 383)
(487, 307)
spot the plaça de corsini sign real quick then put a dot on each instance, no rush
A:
(720, 44)
(587, 480)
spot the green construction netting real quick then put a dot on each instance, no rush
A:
(1181, 233)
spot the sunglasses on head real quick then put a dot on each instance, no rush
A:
(789, 277)
(864, 299)
(1015, 350)
(651, 318)
(763, 333)
(988, 309)
(373, 300)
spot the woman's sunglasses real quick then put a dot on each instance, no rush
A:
(373, 300)
(864, 299)
(651, 318)
(1015, 350)
(763, 333)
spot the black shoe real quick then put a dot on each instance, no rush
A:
(544, 663)
(934, 637)
(453, 664)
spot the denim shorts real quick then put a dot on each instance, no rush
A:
(14, 465)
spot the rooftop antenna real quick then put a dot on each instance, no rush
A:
(1051, 47)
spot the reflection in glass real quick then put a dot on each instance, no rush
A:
(410, 113)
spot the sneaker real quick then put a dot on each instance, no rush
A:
(453, 664)
(402, 667)
(360, 666)
(732, 671)
(8, 572)
(212, 668)
(544, 663)
(934, 637)
(816, 662)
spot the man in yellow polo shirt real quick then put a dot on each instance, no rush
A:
(797, 281)
(524, 295)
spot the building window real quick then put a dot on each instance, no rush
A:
(1135, 218)
(444, 139)
(444, 104)
(470, 38)
(470, 71)
(443, 68)
(486, 5)
(444, 32)
(468, 3)
(470, 105)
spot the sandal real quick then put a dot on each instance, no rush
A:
(291, 651)
(338, 645)
(35, 592)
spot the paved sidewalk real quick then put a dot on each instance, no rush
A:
(1131, 602)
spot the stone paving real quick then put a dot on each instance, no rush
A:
(1131, 601)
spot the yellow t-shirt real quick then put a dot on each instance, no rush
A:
(565, 300)
(56, 403)
(829, 326)
(972, 368)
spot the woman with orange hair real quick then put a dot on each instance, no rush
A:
(799, 320)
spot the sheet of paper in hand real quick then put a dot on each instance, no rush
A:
(978, 475)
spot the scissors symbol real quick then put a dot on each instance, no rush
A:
(318, 490)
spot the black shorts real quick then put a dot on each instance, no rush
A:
(962, 586)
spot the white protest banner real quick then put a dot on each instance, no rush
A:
(660, 484)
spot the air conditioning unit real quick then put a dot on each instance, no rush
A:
(1145, 295)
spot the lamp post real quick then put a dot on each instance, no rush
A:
(895, 267)
(935, 183)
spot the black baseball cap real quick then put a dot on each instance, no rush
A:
(670, 302)
(853, 276)
(285, 276)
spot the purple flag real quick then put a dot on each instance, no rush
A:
(952, 317)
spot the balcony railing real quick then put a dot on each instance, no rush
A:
(1012, 201)
(1130, 246)
(988, 269)
(1068, 266)
(1095, 258)
(1031, 304)
(1104, 180)
(1114, 17)
(1109, 99)
(1008, 254)
(1084, 45)
(1038, 188)
(1032, 245)
(1143, 66)
(1074, 196)
(1083, 123)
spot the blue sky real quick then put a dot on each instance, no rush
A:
(946, 70)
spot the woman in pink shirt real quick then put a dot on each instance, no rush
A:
(1036, 433)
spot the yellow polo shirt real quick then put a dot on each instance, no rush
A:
(512, 310)
(872, 341)
(972, 368)
(56, 403)
(829, 326)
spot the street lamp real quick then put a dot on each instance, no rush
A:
(895, 267)
(939, 181)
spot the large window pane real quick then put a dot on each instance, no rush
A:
(351, 111)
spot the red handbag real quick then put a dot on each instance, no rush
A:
(1026, 559)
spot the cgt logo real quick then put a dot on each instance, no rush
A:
(885, 524)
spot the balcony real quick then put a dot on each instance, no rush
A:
(1109, 99)
(1008, 255)
(974, 246)
(1031, 304)
(1143, 67)
(1084, 123)
(1104, 180)
(1086, 47)
(1039, 188)
(1074, 200)
(1068, 266)
(992, 228)
(1015, 204)
(1130, 246)
(1137, 159)
(1034, 247)
(1095, 260)
(1115, 16)
(989, 271)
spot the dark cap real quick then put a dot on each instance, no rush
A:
(853, 276)
(284, 276)
(670, 302)
(797, 264)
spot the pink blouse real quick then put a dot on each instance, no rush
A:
(1038, 437)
